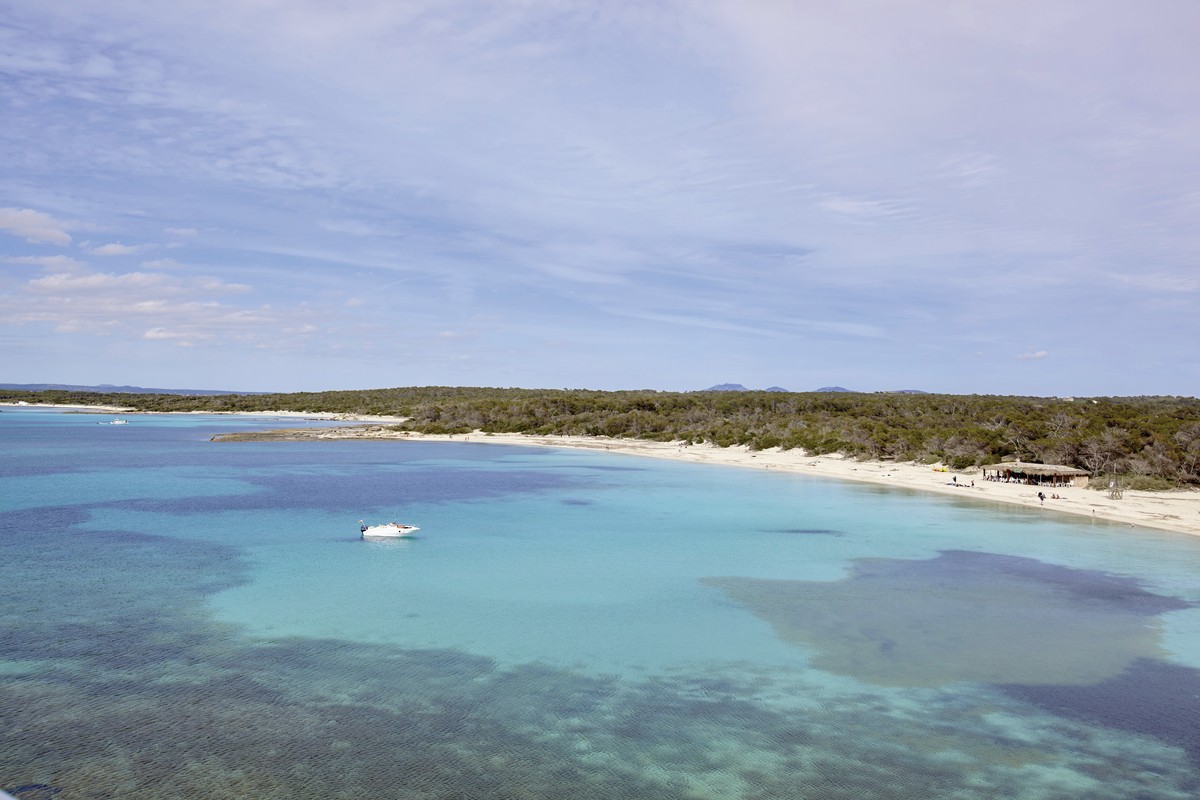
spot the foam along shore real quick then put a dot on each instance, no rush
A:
(1173, 511)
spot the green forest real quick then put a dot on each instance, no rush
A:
(1144, 442)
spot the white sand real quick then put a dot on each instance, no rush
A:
(69, 406)
(256, 414)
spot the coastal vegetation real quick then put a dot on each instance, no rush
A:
(1143, 442)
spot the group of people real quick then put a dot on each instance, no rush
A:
(1007, 478)
(996, 477)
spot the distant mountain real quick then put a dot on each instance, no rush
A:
(105, 388)
(833, 389)
(737, 387)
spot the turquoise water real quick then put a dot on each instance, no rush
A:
(183, 618)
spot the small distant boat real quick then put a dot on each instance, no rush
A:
(114, 422)
(391, 530)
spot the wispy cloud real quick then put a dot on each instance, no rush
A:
(150, 305)
(50, 263)
(858, 207)
(117, 249)
(163, 333)
(162, 263)
(1160, 281)
(34, 226)
(797, 185)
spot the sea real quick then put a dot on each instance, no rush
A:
(184, 618)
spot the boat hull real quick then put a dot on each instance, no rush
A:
(389, 531)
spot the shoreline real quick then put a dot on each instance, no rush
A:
(81, 408)
(320, 416)
(1177, 510)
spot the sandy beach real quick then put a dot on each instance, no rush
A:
(1172, 511)
(84, 409)
(70, 407)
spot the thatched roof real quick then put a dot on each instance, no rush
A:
(1025, 468)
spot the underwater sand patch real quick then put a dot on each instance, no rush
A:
(962, 616)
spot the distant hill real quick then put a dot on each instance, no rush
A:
(832, 389)
(105, 388)
(737, 387)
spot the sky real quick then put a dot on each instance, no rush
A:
(301, 195)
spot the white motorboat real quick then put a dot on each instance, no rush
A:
(114, 422)
(391, 530)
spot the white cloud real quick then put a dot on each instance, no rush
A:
(302, 330)
(97, 282)
(859, 329)
(1160, 282)
(180, 338)
(118, 249)
(163, 333)
(551, 159)
(351, 226)
(216, 285)
(56, 263)
(162, 263)
(972, 169)
(34, 226)
(152, 306)
(856, 207)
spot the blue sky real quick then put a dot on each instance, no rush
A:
(998, 198)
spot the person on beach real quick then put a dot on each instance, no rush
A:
(1042, 498)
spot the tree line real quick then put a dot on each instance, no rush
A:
(1146, 442)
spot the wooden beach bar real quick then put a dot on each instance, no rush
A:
(1035, 474)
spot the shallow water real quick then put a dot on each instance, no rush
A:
(183, 618)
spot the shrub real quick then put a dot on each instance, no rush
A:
(961, 462)
(1147, 483)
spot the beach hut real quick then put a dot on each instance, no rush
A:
(1036, 474)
